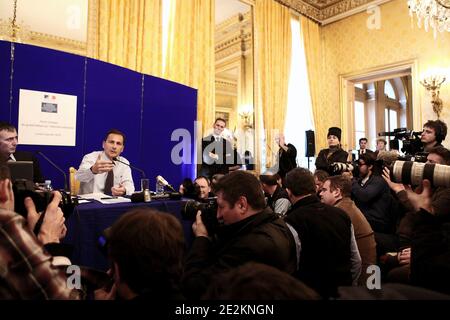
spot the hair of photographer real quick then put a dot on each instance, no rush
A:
(257, 281)
(319, 178)
(20, 247)
(307, 186)
(371, 162)
(241, 184)
(146, 248)
(443, 155)
(277, 197)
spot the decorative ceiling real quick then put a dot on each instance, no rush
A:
(327, 11)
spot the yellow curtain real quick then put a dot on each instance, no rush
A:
(190, 52)
(310, 33)
(129, 34)
(273, 55)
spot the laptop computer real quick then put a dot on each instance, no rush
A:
(21, 170)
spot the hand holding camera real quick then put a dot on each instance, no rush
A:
(396, 187)
(199, 227)
(421, 199)
(52, 228)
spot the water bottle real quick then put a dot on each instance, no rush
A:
(48, 185)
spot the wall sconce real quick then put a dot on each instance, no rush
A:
(247, 120)
(433, 84)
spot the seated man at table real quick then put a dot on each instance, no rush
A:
(8, 152)
(105, 171)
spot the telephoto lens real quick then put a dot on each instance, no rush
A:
(413, 173)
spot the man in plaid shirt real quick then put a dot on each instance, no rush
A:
(26, 269)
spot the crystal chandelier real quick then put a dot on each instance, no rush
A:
(433, 13)
(10, 30)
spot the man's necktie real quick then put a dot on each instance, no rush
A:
(109, 183)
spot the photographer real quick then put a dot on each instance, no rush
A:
(334, 153)
(430, 250)
(22, 254)
(249, 233)
(372, 196)
(434, 132)
(436, 155)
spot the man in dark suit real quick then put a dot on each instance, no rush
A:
(8, 145)
(363, 147)
(217, 152)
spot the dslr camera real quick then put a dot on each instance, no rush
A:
(208, 213)
(41, 198)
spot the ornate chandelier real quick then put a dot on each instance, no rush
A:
(433, 13)
(12, 31)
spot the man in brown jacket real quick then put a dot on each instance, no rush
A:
(336, 191)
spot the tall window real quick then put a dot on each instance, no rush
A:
(360, 122)
(299, 107)
(390, 119)
(389, 90)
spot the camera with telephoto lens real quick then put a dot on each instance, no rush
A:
(41, 198)
(208, 213)
(337, 168)
(413, 173)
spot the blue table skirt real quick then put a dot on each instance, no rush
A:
(87, 222)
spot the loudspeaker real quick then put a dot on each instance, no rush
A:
(310, 149)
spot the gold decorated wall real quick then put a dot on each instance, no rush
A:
(352, 44)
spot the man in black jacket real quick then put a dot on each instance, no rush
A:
(324, 235)
(248, 233)
(8, 144)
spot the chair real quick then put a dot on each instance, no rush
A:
(74, 183)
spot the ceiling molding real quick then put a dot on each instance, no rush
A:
(328, 11)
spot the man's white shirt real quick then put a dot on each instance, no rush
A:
(95, 183)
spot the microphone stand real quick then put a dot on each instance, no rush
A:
(132, 167)
(57, 168)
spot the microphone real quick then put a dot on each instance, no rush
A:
(57, 168)
(164, 182)
(387, 134)
(132, 167)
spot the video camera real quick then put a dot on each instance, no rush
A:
(208, 213)
(412, 144)
(41, 198)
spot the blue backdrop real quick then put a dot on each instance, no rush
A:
(147, 109)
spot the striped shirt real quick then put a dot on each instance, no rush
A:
(26, 270)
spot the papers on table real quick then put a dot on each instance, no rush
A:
(103, 198)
